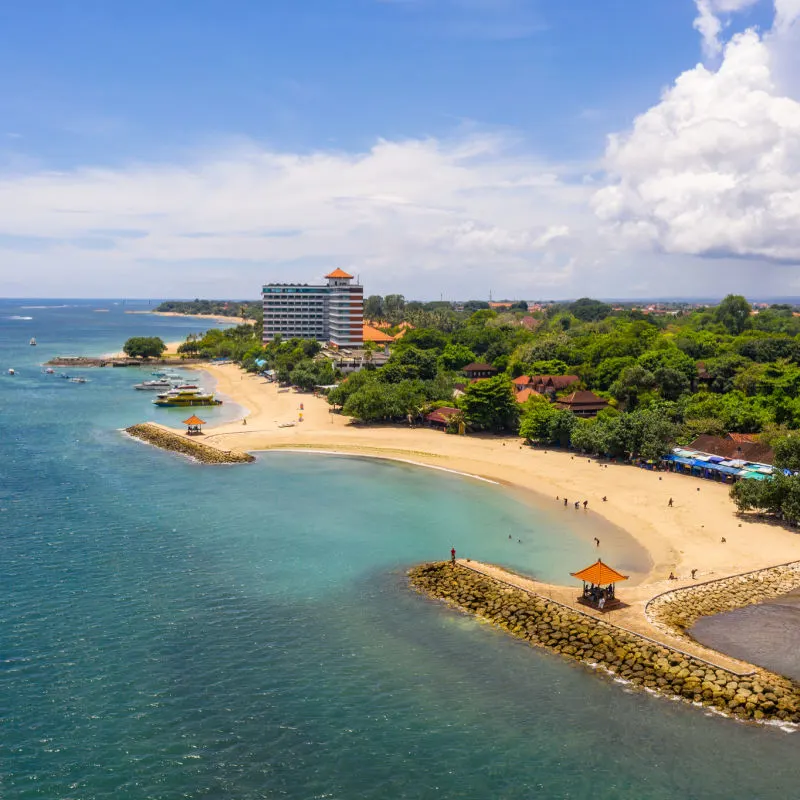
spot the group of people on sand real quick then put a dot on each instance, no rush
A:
(598, 596)
(577, 503)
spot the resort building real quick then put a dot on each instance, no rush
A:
(332, 312)
(550, 384)
(582, 403)
(476, 371)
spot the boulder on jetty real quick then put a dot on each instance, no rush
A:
(759, 695)
(179, 443)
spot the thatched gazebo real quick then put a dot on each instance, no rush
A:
(599, 589)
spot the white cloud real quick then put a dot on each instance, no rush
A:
(399, 209)
(711, 18)
(714, 168)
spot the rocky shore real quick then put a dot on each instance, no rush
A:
(169, 440)
(759, 696)
(677, 610)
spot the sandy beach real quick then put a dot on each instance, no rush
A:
(170, 352)
(685, 537)
(209, 317)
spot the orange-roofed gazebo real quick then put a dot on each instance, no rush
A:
(598, 586)
(193, 425)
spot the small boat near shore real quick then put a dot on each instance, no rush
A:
(32, 342)
(154, 386)
(183, 398)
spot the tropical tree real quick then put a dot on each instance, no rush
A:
(490, 405)
(144, 347)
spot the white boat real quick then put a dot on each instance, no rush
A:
(11, 371)
(181, 398)
(153, 386)
(33, 342)
(78, 380)
(49, 371)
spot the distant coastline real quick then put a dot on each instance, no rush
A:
(211, 317)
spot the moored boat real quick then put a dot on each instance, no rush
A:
(33, 342)
(182, 398)
(153, 386)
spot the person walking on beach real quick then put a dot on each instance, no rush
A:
(585, 503)
(565, 501)
(577, 505)
(694, 572)
(453, 556)
(669, 505)
(596, 542)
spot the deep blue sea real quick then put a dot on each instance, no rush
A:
(172, 630)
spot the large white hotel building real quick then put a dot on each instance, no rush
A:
(333, 312)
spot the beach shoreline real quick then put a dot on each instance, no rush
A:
(210, 317)
(680, 538)
(698, 531)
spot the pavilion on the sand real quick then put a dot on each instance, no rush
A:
(193, 425)
(599, 589)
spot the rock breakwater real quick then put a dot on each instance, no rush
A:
(677, 610)
(760, 696)
(169, 440)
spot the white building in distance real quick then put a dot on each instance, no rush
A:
(333, 312)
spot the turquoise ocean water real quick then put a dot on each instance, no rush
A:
(169, 630)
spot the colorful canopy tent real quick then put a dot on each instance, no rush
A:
(597, 576)
(599, 573)
(193, 425)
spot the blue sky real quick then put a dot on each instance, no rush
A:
(436, 146)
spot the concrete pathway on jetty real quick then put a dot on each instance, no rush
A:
(631, 618)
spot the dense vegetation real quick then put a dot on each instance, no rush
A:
(667, 377)
(247, 309)
(779, 496)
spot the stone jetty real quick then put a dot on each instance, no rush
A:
(677, 610)
(758, 696)
(180, 443)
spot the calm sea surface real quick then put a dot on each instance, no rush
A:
(767, 634)
(169, 630)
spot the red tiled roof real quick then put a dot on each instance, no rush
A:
(557, 382)
(525, 394)
(730, 448)
(743, 437)
(523, 380)
(442, 415)
(475, 367)
(371, 334)
(584, 400)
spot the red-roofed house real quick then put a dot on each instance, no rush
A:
(526, 394)
(374, 335)
(476, 370)
(440, 418)
(582, 403)
(550, 384)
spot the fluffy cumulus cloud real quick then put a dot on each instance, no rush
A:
(714, 168)
(411, 206)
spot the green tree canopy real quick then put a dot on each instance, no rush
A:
(144, 347)
(490, 405)
(734, 313)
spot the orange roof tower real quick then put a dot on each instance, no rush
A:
(338, 273)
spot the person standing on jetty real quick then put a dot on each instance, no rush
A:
(453, 556)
